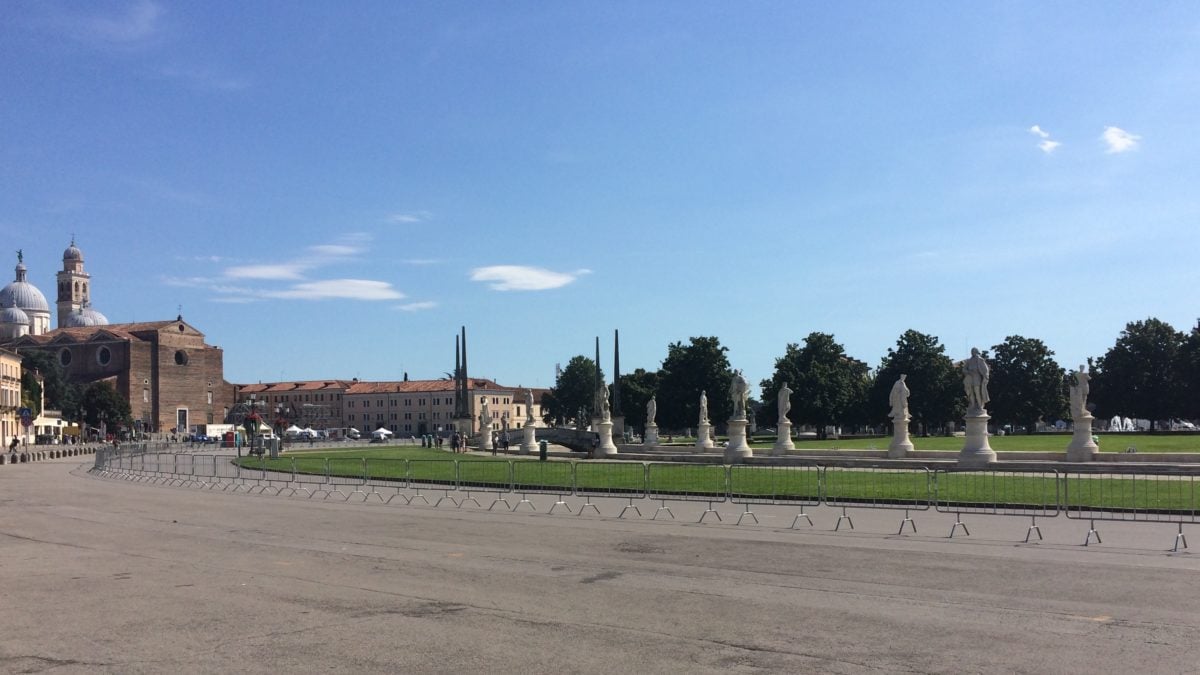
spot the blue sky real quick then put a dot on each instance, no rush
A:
(331, 189)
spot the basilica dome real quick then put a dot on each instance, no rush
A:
(85, 316)
(23, 295)
(14, 316)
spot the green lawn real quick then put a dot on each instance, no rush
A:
(891, 487)
(1015, 443)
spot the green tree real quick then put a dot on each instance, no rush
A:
(636, 389)
(700, 365)
(1026, 383)
(1188, 369)
(828, 387)
(573, 390)
(102, 404)
(1138, 375)
(933, 380)
(60, 394)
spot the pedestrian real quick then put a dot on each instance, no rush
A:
(454, 441)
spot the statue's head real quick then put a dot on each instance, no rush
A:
(903, 376)
(974, 351)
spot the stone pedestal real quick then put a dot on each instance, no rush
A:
(976, 451)
(783, 439)
(1082, 448)
(528, 440)
(900, 445)
(704, 437)
(651, 437)
(485, 439)
(606, 448)
(738, 449)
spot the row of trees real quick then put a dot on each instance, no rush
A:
(1151, 372)
(92, 404)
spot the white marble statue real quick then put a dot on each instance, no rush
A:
(739, 390)
(528, 406)
(651, 411)
(898, 399)
(605, 408)
(975, 380)
(485, 418)
(784, 402)
(703, 407)
(1079, 392)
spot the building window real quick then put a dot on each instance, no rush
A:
(64, 357)
(350, 417)
(181, 357)
(210, 398)
(146, 396)
(103, 356)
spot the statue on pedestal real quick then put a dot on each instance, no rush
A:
(1079, 392)
(898, 399)
(975, 379)
(651, 411)
(485, 418)
(784, 403)
(739, 390)
(528, 406)
(605, 408)
(703, 407)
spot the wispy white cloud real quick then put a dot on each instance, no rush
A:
(284, 271)
(417, 306)
(346, 289)
(410, 217)
(205, 79)
(1046, 145)
(523, 278)
(335, 250)
(137, 23)
(421, 261)
(1119, 140)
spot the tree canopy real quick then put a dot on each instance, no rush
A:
(1026, 383)
(102, 404)
(1139, 374)
(933, 380)
(636, 389)
(828, 387)
(574, 389)
(700, 365)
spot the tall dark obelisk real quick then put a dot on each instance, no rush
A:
(618, 417)
(464, 421)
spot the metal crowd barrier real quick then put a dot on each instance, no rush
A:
(553, 478)
(687, 482)
(998, 492)
(877, 488)
(779, 485)
(1138, 497)
(609, 479)
(390, 475)
(493, 476)
(442, 473)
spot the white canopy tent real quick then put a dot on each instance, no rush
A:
(292, 430)
(380, 433)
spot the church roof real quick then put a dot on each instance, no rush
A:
(72, 253)
(120, 331)
(14, 315)
(420, 386)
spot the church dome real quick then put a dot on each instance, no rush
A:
(72, 253)
(14, 316)
(85, 317)
(22, 294)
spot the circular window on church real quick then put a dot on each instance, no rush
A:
(181, 358)
(103, 356)
(64, 357)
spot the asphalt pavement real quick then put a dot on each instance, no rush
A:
(100, 575)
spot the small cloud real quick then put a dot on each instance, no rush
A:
(335, 250)
(1049, 146)
(286, 271)
(1119, 140)
(421, 261)
(347, 289)
(139, 23)
(204, 79)
(235, 300)
(1037, 131)
(417, 306)
(522, 278)
(409, 218)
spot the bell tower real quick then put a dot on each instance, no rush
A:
(74, 285)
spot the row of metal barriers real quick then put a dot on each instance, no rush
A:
(1142, 496)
